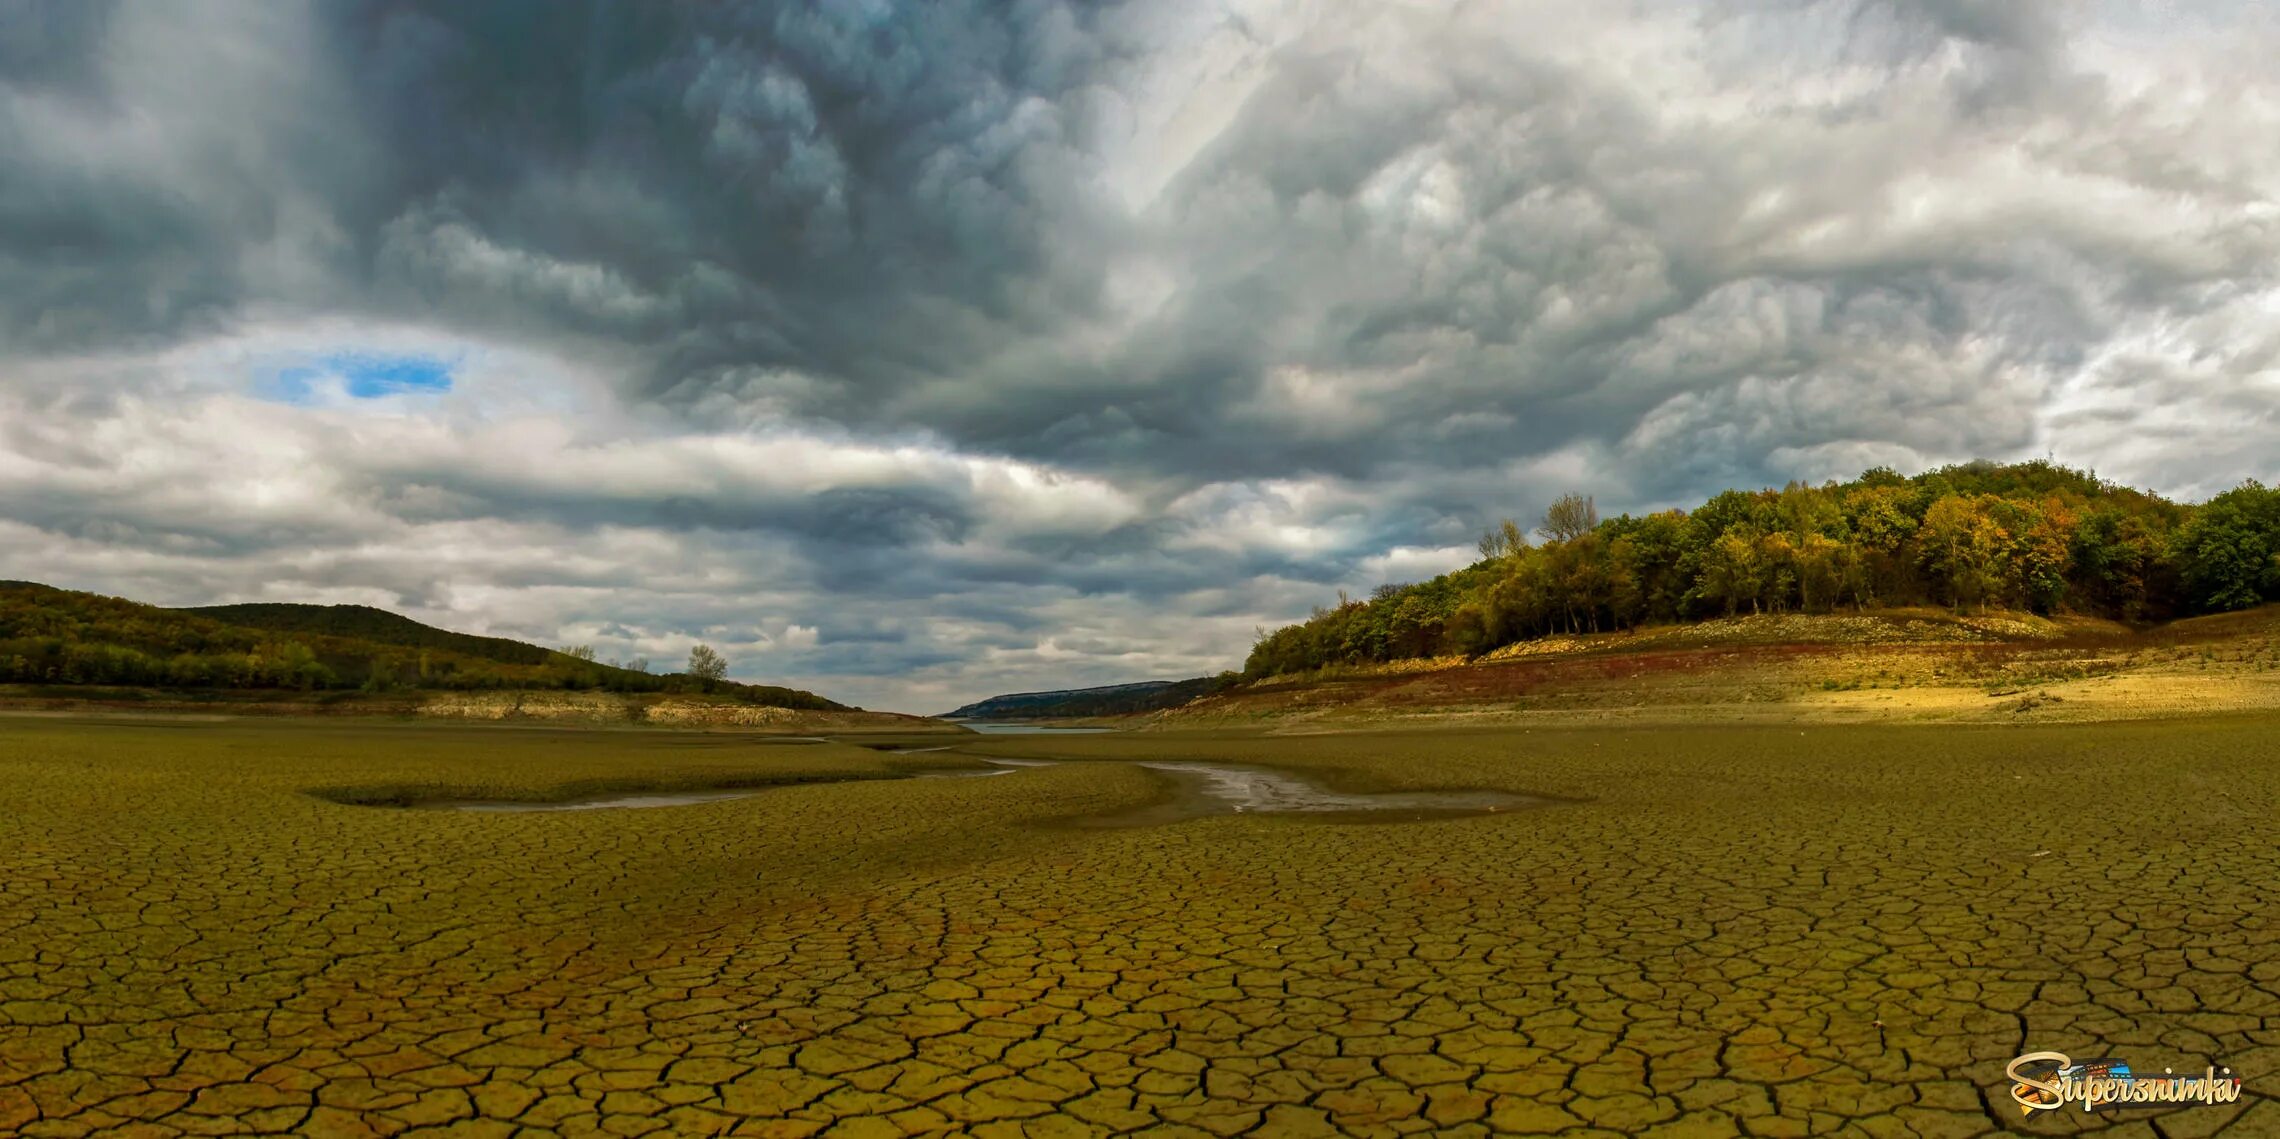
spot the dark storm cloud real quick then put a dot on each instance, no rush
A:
(52, 45)
(1122, 324)
(850, 190)
(167, 165)
(881, 215)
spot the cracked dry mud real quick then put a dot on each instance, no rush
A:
(1742, 931)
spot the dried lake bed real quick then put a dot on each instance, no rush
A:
(208, 928)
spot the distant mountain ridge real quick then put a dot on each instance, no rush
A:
(1106, 700)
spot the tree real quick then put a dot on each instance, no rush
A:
(2044, 552)
(1854, 576)
(1777, 559)
(1653, 561)
(2117, 560)
(1967, 548)
(1977, 534)
(1467, 631)
(1626, 585)
(2229, 549)
(1729, 509)
(1732, 571)
(1569, 518)
(294, 665)
(1820, 572)
(1803, 510)
(705, 664)
(1413, 627)
(1881, 525)
(1581, 580)
(1503, 541)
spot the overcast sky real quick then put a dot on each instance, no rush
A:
(917, 352)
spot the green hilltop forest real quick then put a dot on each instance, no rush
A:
(2031, 536)
(51, 636)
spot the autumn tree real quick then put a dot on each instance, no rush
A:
(2043, 552)
(1733, 570)
(1966, 549)
(1978, 535)
(1880, 524)
(1819, 577)
(1777, 561)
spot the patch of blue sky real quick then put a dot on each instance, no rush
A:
(361, 375)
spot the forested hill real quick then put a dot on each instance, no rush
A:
(1109, 700)
(364, 623)
(56, 636)
(2033, 536)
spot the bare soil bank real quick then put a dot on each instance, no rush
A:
(1894, 666)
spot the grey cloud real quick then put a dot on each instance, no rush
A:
(168, 164)
(50, 44)
(1379, 277)
(864, 183)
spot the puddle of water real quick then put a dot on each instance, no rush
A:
(657, 799)
(1247, 789)
(1229, 789)
(1203, 789)
(1206, 789)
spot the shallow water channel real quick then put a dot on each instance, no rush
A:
(1014, 728)
(1201, 789)
(638, 799)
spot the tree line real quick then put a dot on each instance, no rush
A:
(1981, 536)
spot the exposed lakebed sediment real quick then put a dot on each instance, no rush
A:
(1200, 789)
